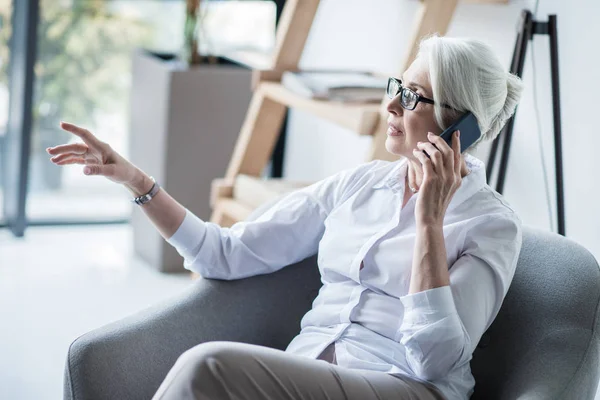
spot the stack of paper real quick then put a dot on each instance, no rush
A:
(333, 85)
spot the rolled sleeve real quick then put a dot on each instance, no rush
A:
(442, 326)
(189, 236)
(427, 307)
(431, 332)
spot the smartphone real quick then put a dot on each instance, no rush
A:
(469, 131)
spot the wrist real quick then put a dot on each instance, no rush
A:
(140, 184)
(430, 224)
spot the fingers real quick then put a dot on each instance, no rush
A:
(434, 154)
(76, 148)
(82, 133)
(442, 146)
(457, 151)
(95, 169)
(71, 160)
(63, 157)
(426, 163)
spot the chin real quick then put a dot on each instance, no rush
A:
(395, 147)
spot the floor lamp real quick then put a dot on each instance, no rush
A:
(527, 29)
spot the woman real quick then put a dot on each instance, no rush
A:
(415, 255)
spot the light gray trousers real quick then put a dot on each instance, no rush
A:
(229, 370)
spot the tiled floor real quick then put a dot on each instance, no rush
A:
(57, 284)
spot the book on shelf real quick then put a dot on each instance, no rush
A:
(345, 86)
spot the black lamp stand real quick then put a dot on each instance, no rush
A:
(527, 29)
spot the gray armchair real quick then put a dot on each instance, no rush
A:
(543, 344)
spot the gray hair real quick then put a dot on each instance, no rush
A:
(466, 75)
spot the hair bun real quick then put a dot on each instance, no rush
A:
(514, 89)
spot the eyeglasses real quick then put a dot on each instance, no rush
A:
(408, 98)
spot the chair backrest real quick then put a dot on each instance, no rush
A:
(544, 343)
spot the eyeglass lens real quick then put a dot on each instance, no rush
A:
(408, 98)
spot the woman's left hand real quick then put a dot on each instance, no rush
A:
(441, 178)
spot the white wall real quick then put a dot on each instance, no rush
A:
(374, 35)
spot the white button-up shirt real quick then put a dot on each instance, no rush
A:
(356, 217)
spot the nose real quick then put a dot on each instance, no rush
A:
(394, 107)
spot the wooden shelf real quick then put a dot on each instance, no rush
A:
(234, 198)
(360, 118)
(251, 192)
(232, 209)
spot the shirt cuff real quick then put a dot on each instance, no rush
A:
(189, 236)
(428, 306)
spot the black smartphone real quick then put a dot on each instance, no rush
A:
(469, 131)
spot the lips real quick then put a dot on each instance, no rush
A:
(393, 131)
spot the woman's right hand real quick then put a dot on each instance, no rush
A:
(99, 159)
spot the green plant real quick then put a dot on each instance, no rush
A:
(195, 15)
(191, 33)
(83, 56)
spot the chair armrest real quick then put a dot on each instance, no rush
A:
(564, 365)
(128, 359)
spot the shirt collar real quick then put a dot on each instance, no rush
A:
(472, 183)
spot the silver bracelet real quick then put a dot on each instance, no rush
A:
(143, 199)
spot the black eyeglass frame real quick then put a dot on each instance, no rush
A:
(417, 95)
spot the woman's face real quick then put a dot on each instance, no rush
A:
(406, 128)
